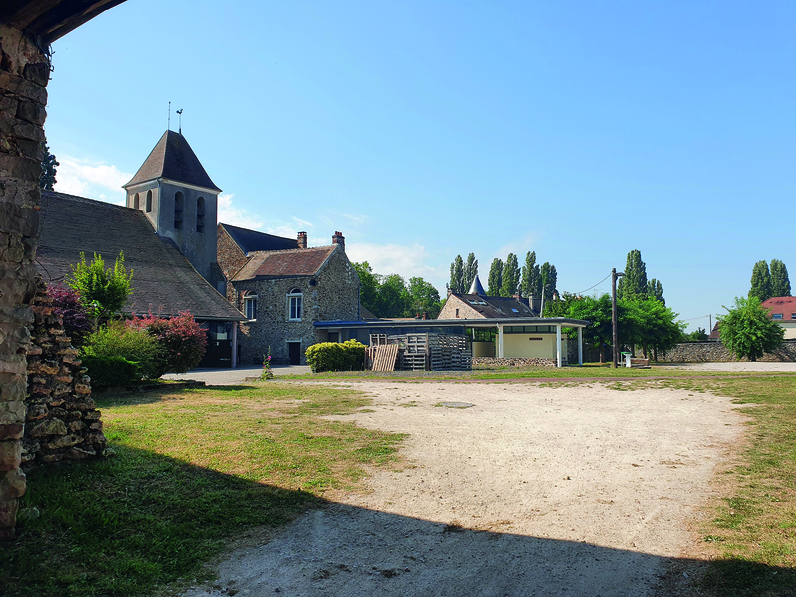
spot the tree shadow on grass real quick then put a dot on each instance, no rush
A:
(111, 398)
(140, 521)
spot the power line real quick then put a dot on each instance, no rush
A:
(595, 286)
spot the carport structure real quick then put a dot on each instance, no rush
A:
(538, 327)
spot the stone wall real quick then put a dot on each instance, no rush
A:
(456, 308)
(62, 420)
(331, 295)
(230, 257)
(24, 74)
(512, 362)
(707, 352)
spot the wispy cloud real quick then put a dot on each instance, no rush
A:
(92, 179)
(405, 260)
(229, 214)
(519, 247)
(339, 219)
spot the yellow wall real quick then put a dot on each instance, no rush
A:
(790, 330)
(484, 349)
(518, 345)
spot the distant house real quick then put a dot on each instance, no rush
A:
(284, 293)
(783, 311)
(517, 331)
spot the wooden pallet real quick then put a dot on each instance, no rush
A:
(382, 357)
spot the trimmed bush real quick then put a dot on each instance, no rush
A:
(119, 340)
(333, 356)
(109, 372)
(182, 341)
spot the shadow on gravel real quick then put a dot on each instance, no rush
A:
(138, 522)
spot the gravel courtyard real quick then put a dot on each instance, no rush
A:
(508, 489)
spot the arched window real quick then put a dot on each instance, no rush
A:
(294, 305)
(178, 200)
(200, 214)
(250, 304)
(137, 202)
(148, 201)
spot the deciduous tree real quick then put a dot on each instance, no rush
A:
(511, 276)
(48, 170)
(456, 283)
(495, 281)
(531, 278)
(747, 331)
(634, 282)
(780, 282)
(548, 279)
(470, 271)
(655, 290)
(106, 290)
(368, 286)
(761, 281)
(424, 298)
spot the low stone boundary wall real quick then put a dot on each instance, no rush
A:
(512, 362)
(62, 419)
(714, 352)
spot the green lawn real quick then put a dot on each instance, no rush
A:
(192, 469)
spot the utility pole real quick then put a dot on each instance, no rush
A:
(614, 276)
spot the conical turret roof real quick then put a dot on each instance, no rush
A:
(174, 159)
(476, 288)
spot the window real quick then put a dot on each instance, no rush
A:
(148, 201)
(178, 201)
(776, 316)
(457, 312)
(793, 315)
(137, 202)
(294, 305)
(250, 305)
(200, 214)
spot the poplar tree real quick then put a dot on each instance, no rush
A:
(634, 282)
(761, 281)
(548, 280)
(780, 283)
(655, 290)
(511, 276)
(531, 278)
(470, 271)
(457, 276)
(495, 280)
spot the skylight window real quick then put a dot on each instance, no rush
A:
(515, 310)
(776, 316)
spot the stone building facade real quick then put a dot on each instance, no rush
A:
(284, 292)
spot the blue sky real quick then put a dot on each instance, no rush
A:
(423, 130)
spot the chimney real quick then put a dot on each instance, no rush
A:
(301, 240)
(339, 239)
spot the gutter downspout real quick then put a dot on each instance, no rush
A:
(234, 345)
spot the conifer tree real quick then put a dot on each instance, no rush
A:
(761, 281)
(780, 283)
(511, 276)
(48, 170)
(495, 280)
(457, 275)
(470, 271)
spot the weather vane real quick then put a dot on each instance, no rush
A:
(180, 113)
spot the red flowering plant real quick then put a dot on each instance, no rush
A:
(182, 341)
(78, 323)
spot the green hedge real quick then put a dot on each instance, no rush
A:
(333, 356)
(109, 372)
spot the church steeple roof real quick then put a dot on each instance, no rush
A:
(174, 159)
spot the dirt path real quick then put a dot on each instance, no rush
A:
(532, 490)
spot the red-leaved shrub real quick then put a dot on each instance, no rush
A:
(77, 320)
(182, 341)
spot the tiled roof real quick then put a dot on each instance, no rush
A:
(496, 307)
(284, 264)
(786, 305)
(174, 159)
(163, 279)
(251, 240)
